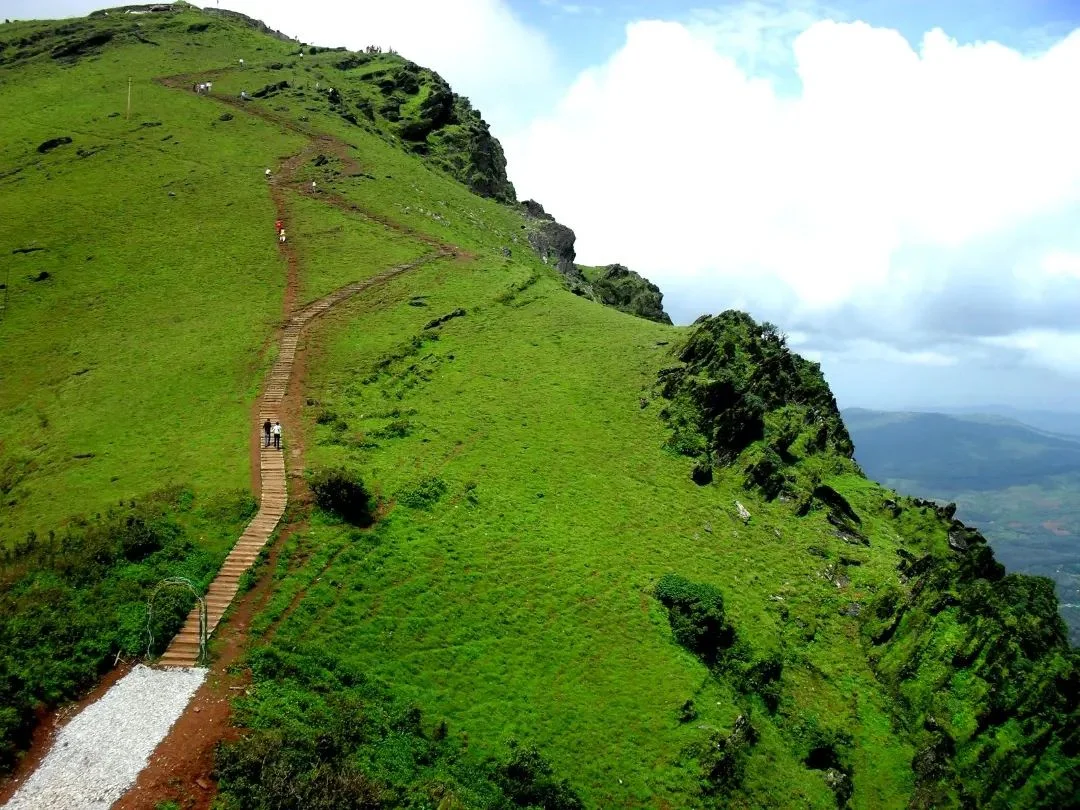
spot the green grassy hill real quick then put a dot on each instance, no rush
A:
(616, 562)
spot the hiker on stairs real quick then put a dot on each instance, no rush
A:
(277, 435)
(266, 431)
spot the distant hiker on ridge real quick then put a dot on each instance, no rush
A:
(281, 236)
(312, 186)
(241, 63)
(277, 435)
(266, 431)
(267, 174)
(279, 226)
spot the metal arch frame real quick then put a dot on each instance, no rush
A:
(203, 624)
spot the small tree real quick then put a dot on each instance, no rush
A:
(342, 493)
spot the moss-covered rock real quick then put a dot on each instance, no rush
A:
(619, 287)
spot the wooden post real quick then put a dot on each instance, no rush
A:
(129, 99)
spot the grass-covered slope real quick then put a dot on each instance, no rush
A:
(640, 552)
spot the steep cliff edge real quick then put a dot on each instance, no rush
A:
(983, 680)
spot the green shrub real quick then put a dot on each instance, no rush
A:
(527, 779)
(397, 429)
(423, 494)
(342, 493)
(723, 762)
(696, 614)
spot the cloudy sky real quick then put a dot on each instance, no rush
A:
(896, 184)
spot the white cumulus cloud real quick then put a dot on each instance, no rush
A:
(917, 197)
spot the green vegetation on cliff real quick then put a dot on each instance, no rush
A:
(613, 563)
(616, 286)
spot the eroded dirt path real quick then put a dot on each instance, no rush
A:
(181, 765)
(181, 762)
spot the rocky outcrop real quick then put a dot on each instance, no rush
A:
(627, 291)
(555, 245)
(443, 128)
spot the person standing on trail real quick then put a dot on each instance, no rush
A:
(277, 435)
(266, 431)
(241, 63)
(312, 186)
(268, 177)
(209, 86)
(279, 226)
(281, 236)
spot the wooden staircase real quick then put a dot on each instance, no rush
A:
(184, 649)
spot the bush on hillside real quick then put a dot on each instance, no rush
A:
(696, 614)
(423, 493)
(723, 760)
(342, 493)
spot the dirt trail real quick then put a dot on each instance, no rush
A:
(185, 649)
(184, 752)
(182, 763)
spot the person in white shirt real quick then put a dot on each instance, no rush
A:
(277, 435)
(281, 237)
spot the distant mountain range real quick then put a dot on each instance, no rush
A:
(1018, 482)
(1064, 422)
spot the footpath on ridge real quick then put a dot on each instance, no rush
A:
(100, 753)
(185, 648)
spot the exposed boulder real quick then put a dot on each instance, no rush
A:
(555, 244)
(271, 89)
(535, 210)
(627, 291)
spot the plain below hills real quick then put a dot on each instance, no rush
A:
(1017, 482)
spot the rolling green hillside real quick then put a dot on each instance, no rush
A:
(1021, 485)
(612, 562)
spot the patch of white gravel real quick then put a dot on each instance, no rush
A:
(100, 752)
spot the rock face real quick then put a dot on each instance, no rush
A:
(616, 286)
(432, 121)
(625, 290)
